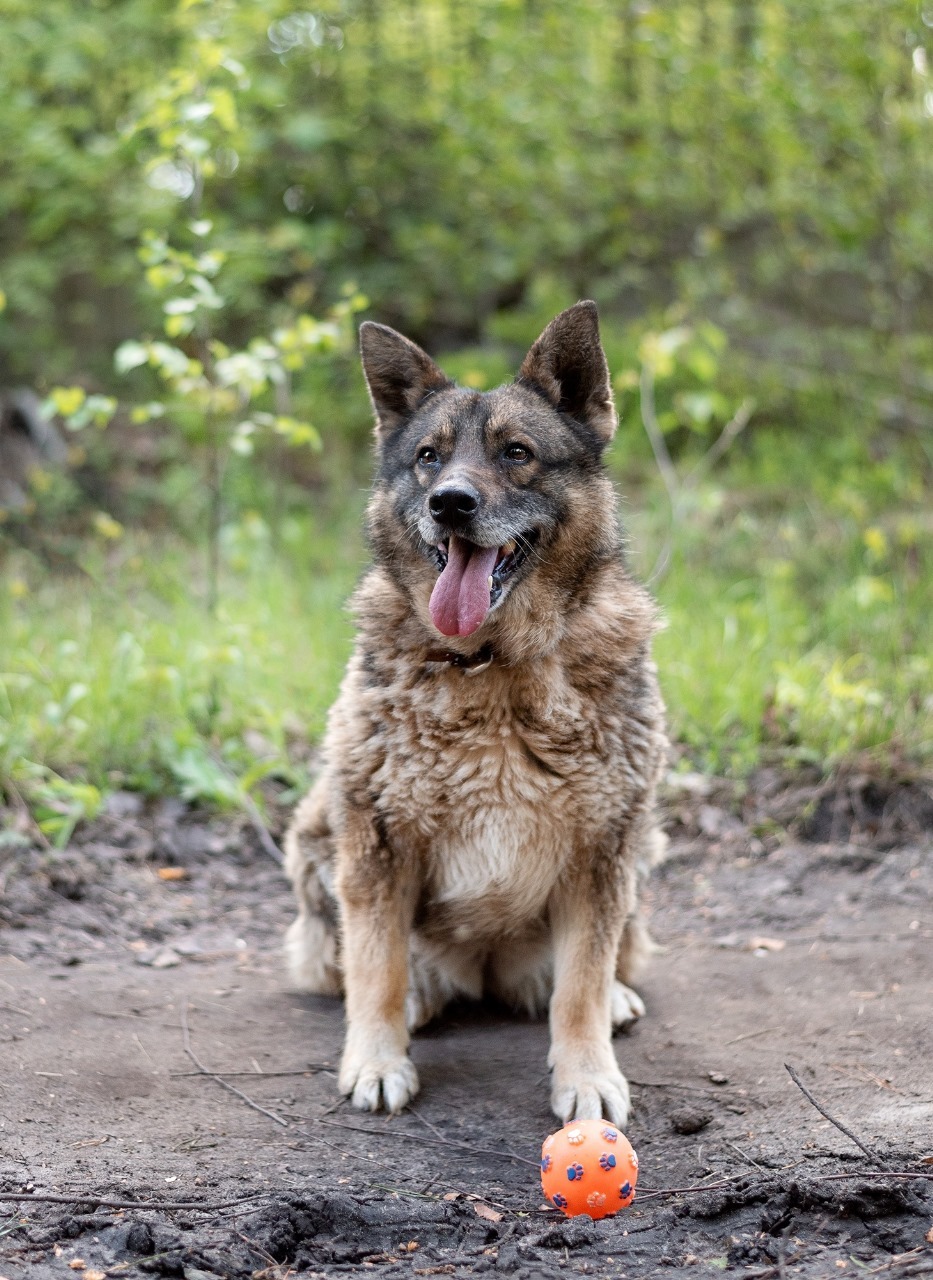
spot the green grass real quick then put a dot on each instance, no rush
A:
(119, 676)
(799, 602)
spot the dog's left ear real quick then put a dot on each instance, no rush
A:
(567, 363)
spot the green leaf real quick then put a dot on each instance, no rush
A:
(146, 412)
(130, 355)
(201, 778)
(67, 400)
(179, 306)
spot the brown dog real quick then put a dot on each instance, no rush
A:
(486, 801)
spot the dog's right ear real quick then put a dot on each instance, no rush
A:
(398, 373)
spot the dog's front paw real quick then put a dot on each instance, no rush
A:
(591, 1095)
(627, 1005)
(386, 1080)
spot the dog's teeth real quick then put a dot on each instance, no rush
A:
(489, 582)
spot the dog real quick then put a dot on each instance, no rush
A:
(486, 802)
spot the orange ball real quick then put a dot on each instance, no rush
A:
(589, 1167)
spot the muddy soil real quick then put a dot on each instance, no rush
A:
(795, 927)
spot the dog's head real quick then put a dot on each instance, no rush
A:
(480, 492)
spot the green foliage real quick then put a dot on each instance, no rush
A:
(208, 188)
(767, 162)
(57, 804)
(797, 611)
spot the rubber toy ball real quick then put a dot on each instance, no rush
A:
(589, 1167)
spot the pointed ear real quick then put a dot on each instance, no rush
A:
(398, 373)
(567, 363)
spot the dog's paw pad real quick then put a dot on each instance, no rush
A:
(381, 1083)
(627, 1005)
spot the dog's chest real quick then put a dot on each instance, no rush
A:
(502, 841)
(493, 795)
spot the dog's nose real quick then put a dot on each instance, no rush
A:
(454, 505)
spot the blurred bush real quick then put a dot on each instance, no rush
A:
(765, 163)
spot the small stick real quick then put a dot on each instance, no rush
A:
(88, 1197)
(889, 1173)
(832, 1119)
(252, 812)
(15, 794)
(466, 1146)
(650, 1192)
(669, 1084)
(262, 831)
(267, 1075)
(744, 1155)
(438, 1142)
(751, 1035)
(186, 1037)
(730, 431)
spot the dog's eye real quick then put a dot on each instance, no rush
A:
(427, 456)
(517, 453)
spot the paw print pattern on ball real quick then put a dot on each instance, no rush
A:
(588, 1167)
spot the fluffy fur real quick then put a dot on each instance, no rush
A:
(484, 829)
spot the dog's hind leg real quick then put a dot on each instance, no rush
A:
(635, 945)
(311, 942)
(437, 975)
(521, 972)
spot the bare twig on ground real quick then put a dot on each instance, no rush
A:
(744, 1155)
(439, 1141)
(671, 1084)
(649, 1193)
(202, 1070)
(888, 1173)
(253, 1075)
(257, 821)
(16, 796)
(752, 1035)
(262, 831)
(89, 1197)
(832, 1119)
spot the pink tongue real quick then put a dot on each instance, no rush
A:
(460, 599)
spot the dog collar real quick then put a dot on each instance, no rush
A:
(465, 661)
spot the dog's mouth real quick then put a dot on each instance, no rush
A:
(472, 580)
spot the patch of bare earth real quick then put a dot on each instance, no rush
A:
(795, 926)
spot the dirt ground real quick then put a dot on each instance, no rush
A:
(795, 926)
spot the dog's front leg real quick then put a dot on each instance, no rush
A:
(587, 913)
(376, 890)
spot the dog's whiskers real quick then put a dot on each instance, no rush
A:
(529, 549)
